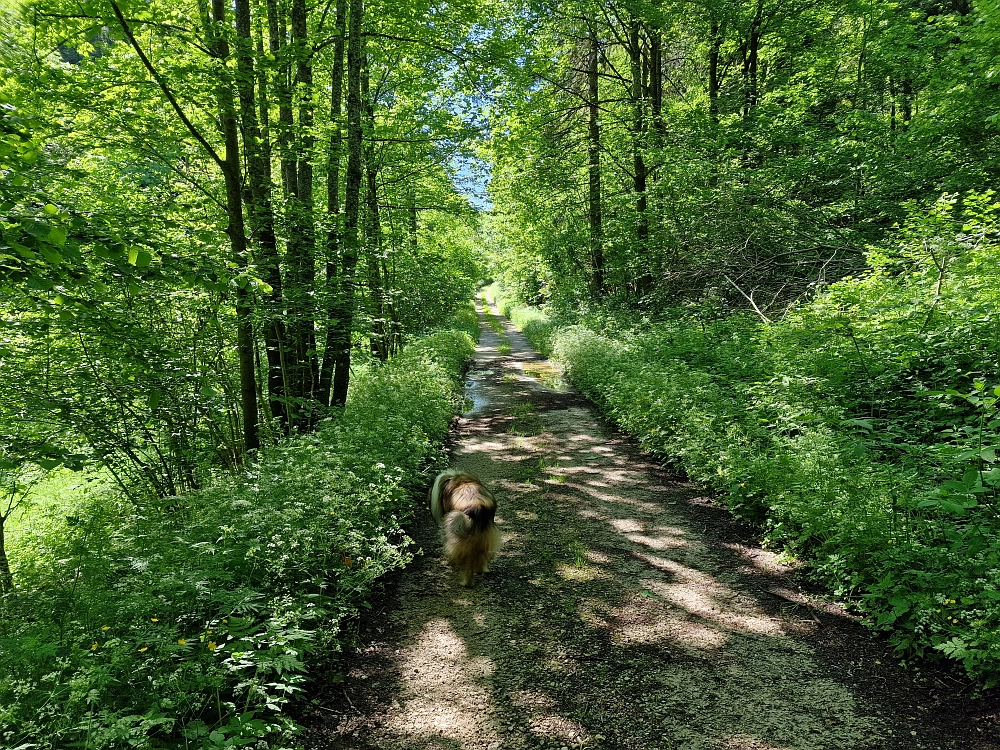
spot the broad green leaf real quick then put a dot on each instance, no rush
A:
(50, 255)
(38, 284)
(57, 236)
(24, 252)
(36, 228)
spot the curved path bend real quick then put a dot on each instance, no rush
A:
(624, 611)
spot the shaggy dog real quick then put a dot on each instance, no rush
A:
(465, 509)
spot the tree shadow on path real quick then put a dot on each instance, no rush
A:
(623, 612)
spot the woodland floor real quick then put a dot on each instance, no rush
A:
(625, 610)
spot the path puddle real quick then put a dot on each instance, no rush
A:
(546, 374)
(475, 399)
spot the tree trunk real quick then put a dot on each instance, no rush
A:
(333, 206)
(233, 176)
(638, 128)
(751, 49)
(302, 235)
(277, 33)
(907, 104)
(6, 578)
(260, 214)
(378, 339)
(352, 204)
(594, 169)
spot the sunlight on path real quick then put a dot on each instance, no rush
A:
(443, 697)
(612, 618)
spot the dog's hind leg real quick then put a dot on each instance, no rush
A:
(494, 547)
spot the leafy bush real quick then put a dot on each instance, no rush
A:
(535, 324)
(860, 432)
(193, 621)
(464, 318)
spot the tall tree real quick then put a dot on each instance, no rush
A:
(594, 165)
(333, 237)
(231, 169)
(344, 318)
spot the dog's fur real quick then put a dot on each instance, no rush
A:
(465, 510)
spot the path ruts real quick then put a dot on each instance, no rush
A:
(624, 611)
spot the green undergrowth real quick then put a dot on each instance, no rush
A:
(860, 431)
(465, 319)
(191, 621)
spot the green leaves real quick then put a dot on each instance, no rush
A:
(221, 593)
(139, 257)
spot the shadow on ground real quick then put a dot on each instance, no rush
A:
(623, 612)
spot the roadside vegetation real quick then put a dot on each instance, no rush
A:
(238, 243)
(192, 621)
(763, 235)
(231, 258)
(860, 431)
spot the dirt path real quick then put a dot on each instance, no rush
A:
(623, 612)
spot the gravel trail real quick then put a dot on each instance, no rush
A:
(624, 611)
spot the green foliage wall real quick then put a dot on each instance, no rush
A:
(191, 622)
(822, 121)
(134, 331)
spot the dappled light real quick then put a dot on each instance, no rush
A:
(445, 696)
(608, 620)
(575, 572)
(681, 317)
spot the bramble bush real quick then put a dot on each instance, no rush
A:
(860, 431)
(193, 621)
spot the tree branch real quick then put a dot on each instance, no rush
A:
(164, 87)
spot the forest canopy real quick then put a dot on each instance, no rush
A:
(670, 152)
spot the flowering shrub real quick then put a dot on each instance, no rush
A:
(193, 622)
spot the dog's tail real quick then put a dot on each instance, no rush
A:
(471, 534)
(458, 526)
(439, 481)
